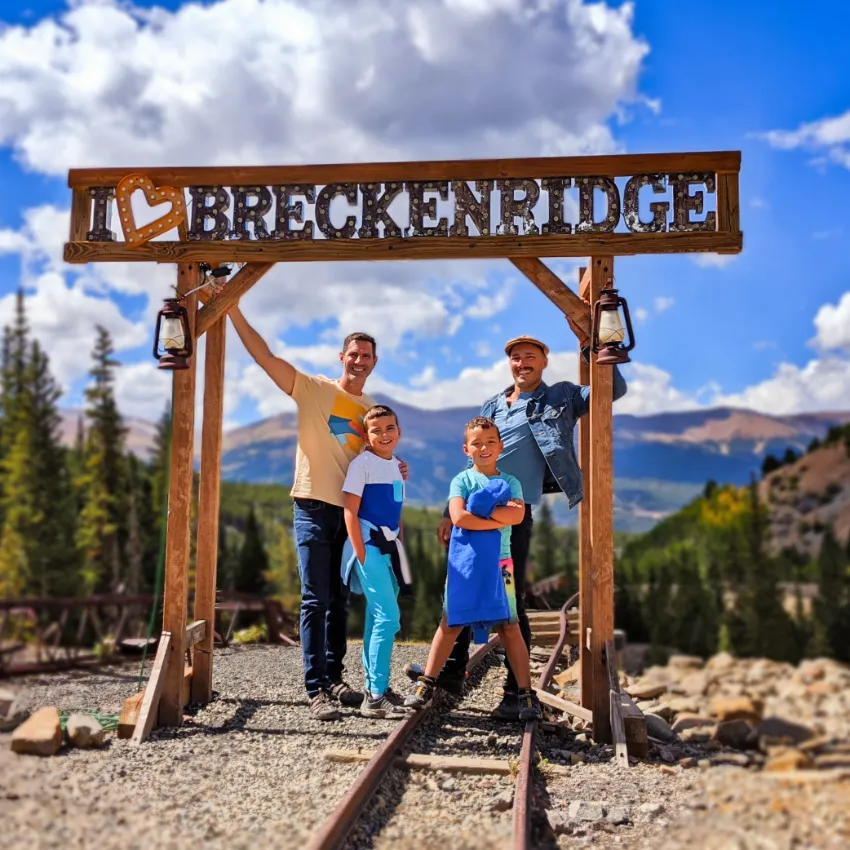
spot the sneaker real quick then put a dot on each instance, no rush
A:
(448, 682)
(529, 705)
(322, 707)
(508, 708)
(388, 706)
(344, 694)
(422, 694)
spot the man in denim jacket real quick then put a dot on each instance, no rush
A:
(536, 421)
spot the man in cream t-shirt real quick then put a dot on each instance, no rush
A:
(330, 436)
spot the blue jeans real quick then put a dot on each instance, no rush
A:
(319, 538)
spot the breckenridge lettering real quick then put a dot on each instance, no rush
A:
(272, 213)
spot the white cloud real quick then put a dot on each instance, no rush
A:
(663, 302)
(265, 81)
(270, 81)
(641, 314)
(832, 324)
(817, 386)
(759, 203)
(713, 261)
(829, 136)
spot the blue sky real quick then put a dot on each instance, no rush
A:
(767, 329)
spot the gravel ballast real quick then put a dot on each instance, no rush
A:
(249, 768)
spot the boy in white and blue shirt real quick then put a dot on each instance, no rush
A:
(373, 495)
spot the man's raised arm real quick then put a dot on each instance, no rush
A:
(281, 372)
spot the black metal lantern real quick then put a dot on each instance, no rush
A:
(608, 335)
(172, 336)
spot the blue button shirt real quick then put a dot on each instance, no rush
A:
(521, 456)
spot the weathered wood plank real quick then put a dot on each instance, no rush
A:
(555, 290)
(564, 705)
(421, 248)
(237, 286)
(130, 715)
(601, 517)
(728, 203)
(153, 691)
(81, 204)
(585, 563)
(618, 732)
(206, 557)
(178, 530)
(616, 165)
(635, 726)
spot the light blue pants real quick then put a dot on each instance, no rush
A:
(383, 619)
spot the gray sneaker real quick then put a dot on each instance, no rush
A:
(322, 707)
(388, 706)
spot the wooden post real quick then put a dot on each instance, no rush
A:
(179, 516)
(585, 585)
(601, 516)
(208, 505)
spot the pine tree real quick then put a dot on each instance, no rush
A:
(545, 544)
(766, 627)
(253, 561)
(19, 518)
(282, 575)
(54, 560)
(102, 531)
(832, 588)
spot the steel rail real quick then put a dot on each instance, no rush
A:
(336, 828)
(524, 781)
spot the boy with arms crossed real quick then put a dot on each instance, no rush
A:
(482, 444)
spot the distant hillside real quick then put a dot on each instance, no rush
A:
(807, 496)
(661, 462)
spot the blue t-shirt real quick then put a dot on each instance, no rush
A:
(465, 483)
(521, 456)
(380, 486)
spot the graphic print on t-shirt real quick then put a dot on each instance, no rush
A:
(345, 422)
(379, 484)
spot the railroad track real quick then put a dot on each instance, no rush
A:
(334, 832)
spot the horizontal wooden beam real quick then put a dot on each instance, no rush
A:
(196, 632)
(556, 291)
(616, 165)
(417, 248)
(236, 287)
(448, 764)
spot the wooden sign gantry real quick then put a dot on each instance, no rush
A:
(518, 209)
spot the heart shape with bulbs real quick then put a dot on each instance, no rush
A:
(155, 195)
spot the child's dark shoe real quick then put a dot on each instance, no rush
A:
(422, 694)
(508, 708)
(528, 705)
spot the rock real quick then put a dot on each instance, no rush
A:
(698, 735)
(503, 801)
(449, 785)
(733, 733)
(822, 689)
(651, 810)
(576, 758)
(685, 662)
(662, 709)
(694, 684)
(11, 713)
(676, 705)
(84, 731)
(788, 759)
(646, 689)
(778, 727)
(688, 762)
(812, 669)
(569, 676)
(560, 823)
(667, 770)
(41, 735)
(737, 708)
(658, 728)
(737, 759)
(616, 815)
(584, 811)
(687, 720)
(721, 661)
